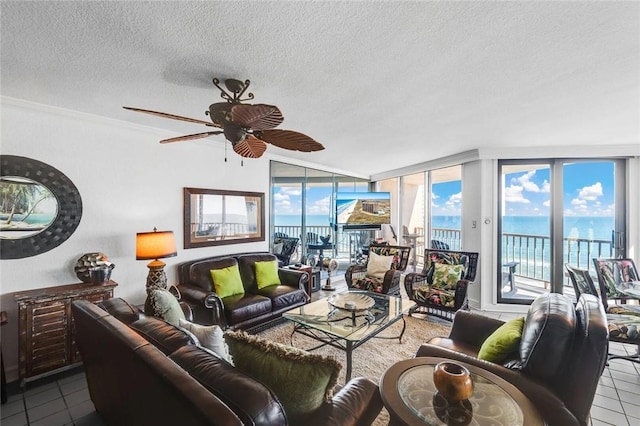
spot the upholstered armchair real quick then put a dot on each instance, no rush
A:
(441, 288)
(382, 271)
(556, 363)
(284, 247)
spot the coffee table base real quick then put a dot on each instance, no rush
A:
(346, 345)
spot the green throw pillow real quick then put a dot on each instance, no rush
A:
(164, 305)
(227, 281)
(504, 341)
(445, 276)
(267, 273)
(302, 381)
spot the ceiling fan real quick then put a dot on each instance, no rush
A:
(248, 127)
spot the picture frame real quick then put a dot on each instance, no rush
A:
(51, 207)
(217, 217)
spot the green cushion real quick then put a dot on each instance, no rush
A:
(164, 305)
(502, 342)
(227, 281)
(267, 273)
(302, 381)
(445, 276)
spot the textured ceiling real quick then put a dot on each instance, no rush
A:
(381, 84)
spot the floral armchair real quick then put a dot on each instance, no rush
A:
(623, 320)
(615, 276)
(382, 271)
(441, 288)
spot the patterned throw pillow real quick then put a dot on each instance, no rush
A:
(445, 277)
(164, 305)
(502, 342)
(302, 381)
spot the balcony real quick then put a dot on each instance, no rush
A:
(531, 253)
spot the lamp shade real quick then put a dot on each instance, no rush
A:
(155, 245)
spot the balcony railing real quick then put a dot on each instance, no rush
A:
(532, 252)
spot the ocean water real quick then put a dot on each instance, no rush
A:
(586, 227)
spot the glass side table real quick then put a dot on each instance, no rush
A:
(410, 396)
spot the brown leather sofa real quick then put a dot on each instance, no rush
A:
(144, 371)
(254, 307)
(562, 354)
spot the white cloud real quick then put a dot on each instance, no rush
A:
(513, 194)
(578, 202)
(321, 206)
(454, 201)
(591, 193)
(546, 203)
(529, 186)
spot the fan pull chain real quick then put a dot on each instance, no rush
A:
(225, 152)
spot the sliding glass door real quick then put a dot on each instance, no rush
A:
(554, 212)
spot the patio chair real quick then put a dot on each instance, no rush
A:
(284, 247)
(441, 288)
(439, 245)
(382, 271)
(623, 320)
(613, 276)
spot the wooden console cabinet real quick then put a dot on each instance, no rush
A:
(46, 334)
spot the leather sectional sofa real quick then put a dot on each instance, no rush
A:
(253, 308)
(144, 371)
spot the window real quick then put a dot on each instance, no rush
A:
(554, 212)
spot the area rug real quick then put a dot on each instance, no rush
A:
(373, 358)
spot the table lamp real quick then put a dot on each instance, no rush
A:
(155, 245)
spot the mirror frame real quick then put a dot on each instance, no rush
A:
(191, 241)
(69, 207)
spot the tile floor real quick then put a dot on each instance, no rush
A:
(64, 399)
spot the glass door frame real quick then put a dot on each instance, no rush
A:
(556, 218)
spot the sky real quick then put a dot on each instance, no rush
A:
(588, 191)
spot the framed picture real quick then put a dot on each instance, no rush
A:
(216, 217)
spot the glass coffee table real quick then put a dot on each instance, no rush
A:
(348, 320)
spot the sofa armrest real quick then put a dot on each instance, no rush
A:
(358, 403)
(207, 306)
(293, 278)
(186, 309)
(472, 329)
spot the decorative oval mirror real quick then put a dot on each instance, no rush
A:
(39, 207)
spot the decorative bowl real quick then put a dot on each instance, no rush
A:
(453, 381)
(352, 302)
(89, 261)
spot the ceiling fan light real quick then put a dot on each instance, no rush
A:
(234, 133)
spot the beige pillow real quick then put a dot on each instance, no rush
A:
(378, 265)
(209, 336)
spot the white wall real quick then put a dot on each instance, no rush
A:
(128, 183)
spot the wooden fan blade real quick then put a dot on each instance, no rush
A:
(256, 117)
(172, 116)
(251, 147)
(190, 137)
(288, 139)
